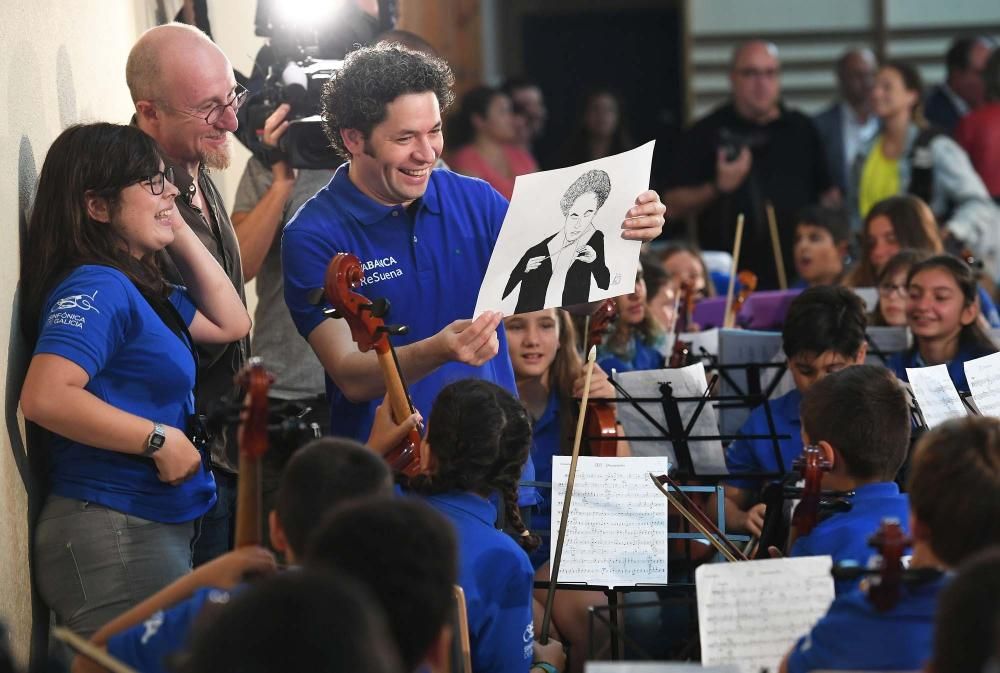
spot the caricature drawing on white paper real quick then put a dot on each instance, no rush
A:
(561, 243)
(557, 271)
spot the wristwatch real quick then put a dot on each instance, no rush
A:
(156, 440)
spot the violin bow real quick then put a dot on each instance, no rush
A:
(779, 259)
(91, 651)
(554, 571)
(697, 518)
(727, 319)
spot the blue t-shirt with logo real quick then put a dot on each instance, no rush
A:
(147, 647)
(98, 319)
(497, 578)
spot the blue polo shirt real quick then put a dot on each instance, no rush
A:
(855, 636)
(899, 362)
(844, 536)
(497, 579)
(428, 260)
(545, 443)
(757, 455)
(641, 357)
(147, 646)
(98, 319)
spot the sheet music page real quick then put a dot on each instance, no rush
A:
(935, 394)
(983, 375)
(707, 455)
(617, 532)
(750, 613)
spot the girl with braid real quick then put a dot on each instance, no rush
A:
(477, 441)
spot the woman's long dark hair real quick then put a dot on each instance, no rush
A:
(577, 147)
(914, 226)
(100, 159)
(972, 337)
(476, 102)
(480, 437)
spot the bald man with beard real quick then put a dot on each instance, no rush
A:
(186, 98)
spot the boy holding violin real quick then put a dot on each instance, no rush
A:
(859, 420)
(824, 332)
(954, 494)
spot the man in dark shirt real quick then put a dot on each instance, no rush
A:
(186, 99)
(746, 153)
(963, 89)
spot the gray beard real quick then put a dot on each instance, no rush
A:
(218, 159)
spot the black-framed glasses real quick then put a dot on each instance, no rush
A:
(155, 183)
(889, 289)
(215, 114)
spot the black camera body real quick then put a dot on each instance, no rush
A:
(299, 83)
(732, 142)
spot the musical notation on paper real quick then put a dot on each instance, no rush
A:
(617, 532)
(751, 613)
(935, 394)
(983, 375)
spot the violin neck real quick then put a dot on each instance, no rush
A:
(399, 398)
(248, 502)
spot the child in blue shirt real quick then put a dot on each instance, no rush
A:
(954, 493)
(965, 629)
(478, 437)
(943, 312)
(860, 421)
(633, 343)
(824, 332)
(322, 474)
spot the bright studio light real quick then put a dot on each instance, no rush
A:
(304, 12)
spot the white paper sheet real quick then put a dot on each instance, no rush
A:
(557, 232)
(617, 532)
(750, 613)
(935, 394)
(707, 456)
(983, 375)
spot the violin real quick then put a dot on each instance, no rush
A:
(369, 331)
(600, 419)
(253, 439)
(680, 356)
(887, 579)
(748, 285)
(685, 309)
(811, 465)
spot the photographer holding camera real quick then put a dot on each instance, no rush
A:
(746, 153)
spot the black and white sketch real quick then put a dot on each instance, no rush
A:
(561, 243)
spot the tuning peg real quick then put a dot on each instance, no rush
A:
(394, 330)
(379, 307)
(316, 296)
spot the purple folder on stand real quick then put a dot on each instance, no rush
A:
(761, 311)
(766, 310)
(708, 312)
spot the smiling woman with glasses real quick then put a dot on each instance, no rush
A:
(113, 371)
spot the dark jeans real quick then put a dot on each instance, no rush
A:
(218, 524)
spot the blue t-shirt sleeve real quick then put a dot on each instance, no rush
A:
(305, 255)
(183, 303)
(740, 456)
(495, 206)
(146, 647)
(86, 318)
